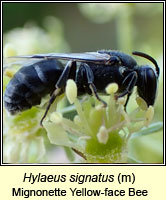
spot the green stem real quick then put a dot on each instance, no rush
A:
(125, 30)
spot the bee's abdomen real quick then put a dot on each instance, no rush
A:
(30, 84)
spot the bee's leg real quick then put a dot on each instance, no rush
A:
(51, 100)
(129, 82)
(127, 100)
(94, 92)
(87, 72)
(68, 72)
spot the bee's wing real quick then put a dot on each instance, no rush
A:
(94, 57)
(18, 63)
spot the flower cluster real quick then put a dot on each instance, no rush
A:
(99, 134)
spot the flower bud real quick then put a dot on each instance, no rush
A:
(112, 88)
(9, 73)
(71, 91)
(141, 103)
(102, 135)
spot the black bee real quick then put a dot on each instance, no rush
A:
(95, 71)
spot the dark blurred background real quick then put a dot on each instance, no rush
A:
(92, 26)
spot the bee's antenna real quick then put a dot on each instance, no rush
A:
(137, 53)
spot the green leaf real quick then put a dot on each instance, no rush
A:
(148, 130)
(56, 134)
